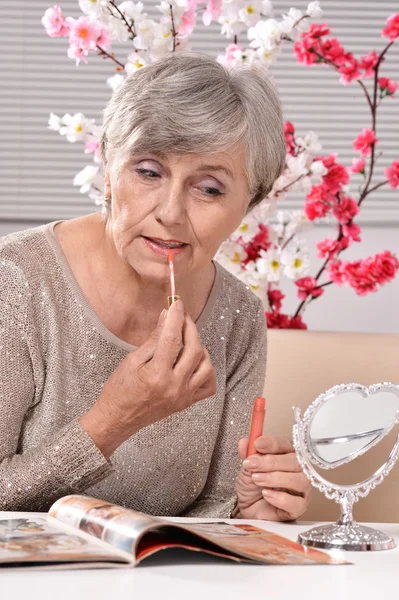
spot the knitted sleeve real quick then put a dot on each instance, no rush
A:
(246, 368)
(68, 460)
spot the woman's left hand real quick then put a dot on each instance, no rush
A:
(271, 484)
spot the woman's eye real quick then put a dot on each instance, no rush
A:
(148, 173)
(211, 191)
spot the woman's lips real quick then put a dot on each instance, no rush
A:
(162, 250)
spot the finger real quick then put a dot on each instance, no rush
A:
(192, 353)
(170, 339)
(274, 462)
(267, 444)
(204, 378)
(146, 350)
(288, 507)
(243, 447)
(291, 482)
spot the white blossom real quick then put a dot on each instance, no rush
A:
(296, 264)
(76, 127)
(310, 142)
(134, 63)
(54, 122)
(314, 10)
(115, 81)
(270, 265)
(85, 178)
(92, 8)
(318, 170)
(132, 10)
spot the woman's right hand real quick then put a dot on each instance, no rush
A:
(168, 373)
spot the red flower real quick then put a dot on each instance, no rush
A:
(335, 272)
(345, 210)
(276, 320)
(296, 323)
(260, 241)
(358, 165)
(275, 297)
(387, 86)
(317, 30)
(289, 132)
(307, 286)
(352, 232)
(317, 202)
(336, 176)
(392, 27)
(332, 247)
(368, 63)
(304, 51)
(349, 72)
(392, 173)
(384, 267)
(364, 141)
(332, 51)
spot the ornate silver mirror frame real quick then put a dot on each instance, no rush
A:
(345, 534)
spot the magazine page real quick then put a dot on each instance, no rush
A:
(237, 541)
(33, 541)
(111, 524)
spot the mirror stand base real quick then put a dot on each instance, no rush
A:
(348, 536)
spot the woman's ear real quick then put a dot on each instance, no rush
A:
(107, 185)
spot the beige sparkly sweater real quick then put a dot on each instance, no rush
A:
(55, 356)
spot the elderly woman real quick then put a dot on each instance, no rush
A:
(103, 391)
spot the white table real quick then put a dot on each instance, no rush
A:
(199, 577)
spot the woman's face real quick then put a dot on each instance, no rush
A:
(187, 204)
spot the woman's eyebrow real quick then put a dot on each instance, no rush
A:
(216, 168)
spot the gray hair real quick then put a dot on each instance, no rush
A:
(189, 103)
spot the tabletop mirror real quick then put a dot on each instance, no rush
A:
(339, 426)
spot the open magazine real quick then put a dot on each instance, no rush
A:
(80, 532)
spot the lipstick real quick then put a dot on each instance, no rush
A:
(173, 296)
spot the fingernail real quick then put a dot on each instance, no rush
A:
(257, 476)
(268, 493)
(162, 315)
(251, 463)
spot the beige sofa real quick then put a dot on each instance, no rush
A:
(303, 364)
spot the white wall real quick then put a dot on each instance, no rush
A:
(338, 309)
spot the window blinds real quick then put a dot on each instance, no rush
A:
(37, 166)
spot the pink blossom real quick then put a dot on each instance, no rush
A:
(335, 272)
(364, 142)
(392, 27)
(349, 72)
(77, 52)
(351, 232)
(331, 248)
(332, 51)
(212, 11)
(388, 86)
(368, 63)
(188, 21)
(358, 165)
(392, 173)
(102, 39)
(289, 133)
(304, 51)
(83, 33)
(384, 267)
(54, 23)
(336, 175)
(317, 30)
(317, 202)
(307, 286)
(345, 210)
(357, 275)
(93, 146)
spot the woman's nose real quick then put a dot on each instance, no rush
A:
(171, 209)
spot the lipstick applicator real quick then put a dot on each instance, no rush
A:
(173, 297)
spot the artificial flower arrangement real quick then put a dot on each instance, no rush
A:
(268, 245)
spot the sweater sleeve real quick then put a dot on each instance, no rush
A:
(246, 368)
(65, 462)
